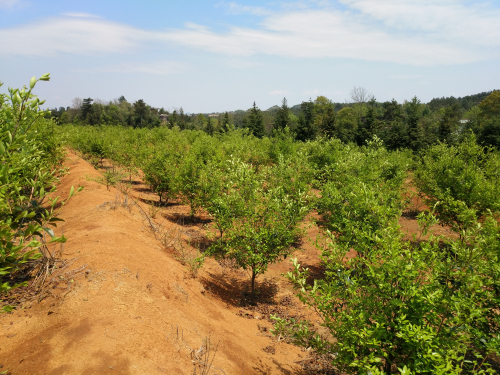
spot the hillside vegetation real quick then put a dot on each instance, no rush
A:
(425, 304)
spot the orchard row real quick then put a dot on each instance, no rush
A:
(425, 304)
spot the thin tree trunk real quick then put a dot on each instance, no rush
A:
(254, 275)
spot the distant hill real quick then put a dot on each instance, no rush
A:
(467, 102)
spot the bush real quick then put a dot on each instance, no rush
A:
(414, 307)
(29, 160)
(456, 178)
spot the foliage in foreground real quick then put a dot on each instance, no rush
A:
(425, 305)
(29, 159)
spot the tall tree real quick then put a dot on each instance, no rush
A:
(140, 111)
(324, 115)
(449, 122)
(415, 133)
(182, 119)
(255, 121)
(225, 127)
(173, 119)
(282, 118)
(346, 125)
(210, 127)
(306, 128)
(369, 125)
(86, 108)
(359, 97)
(490, 107)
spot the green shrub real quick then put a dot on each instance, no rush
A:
(455, 178)
(29, 160)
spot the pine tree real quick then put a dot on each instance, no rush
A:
(225, 123)
(86, 108)
(369, 124)
(256, 122)
(415, 133)
(306, 129)
(328, 123)
(182, 119)
(282, 119)
(210, 127)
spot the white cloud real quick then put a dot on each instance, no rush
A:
(397, 31)
(472, 22)
(74, 35)
(8, 3)
(278, 92)
(80, 15)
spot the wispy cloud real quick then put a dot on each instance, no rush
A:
(154, 67)
(75, 35)
(8, 3)
(80, 15)
(405, 76)
(314, 92)
(397, 31)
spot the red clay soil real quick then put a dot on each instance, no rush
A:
(125, 306)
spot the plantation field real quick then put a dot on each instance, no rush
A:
(194, 253)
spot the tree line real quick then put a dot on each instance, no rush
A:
(413, 125)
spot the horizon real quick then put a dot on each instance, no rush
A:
(217, 56)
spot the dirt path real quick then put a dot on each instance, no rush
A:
(132, 308)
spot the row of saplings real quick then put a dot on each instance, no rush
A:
(426, 304)
(421, 305)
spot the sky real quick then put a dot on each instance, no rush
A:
(214, 56)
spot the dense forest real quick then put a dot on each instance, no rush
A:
(411, 124)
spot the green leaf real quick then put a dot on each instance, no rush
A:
(32, 82)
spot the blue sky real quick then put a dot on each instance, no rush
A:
(222, 55)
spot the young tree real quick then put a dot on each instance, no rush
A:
(259, 212)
